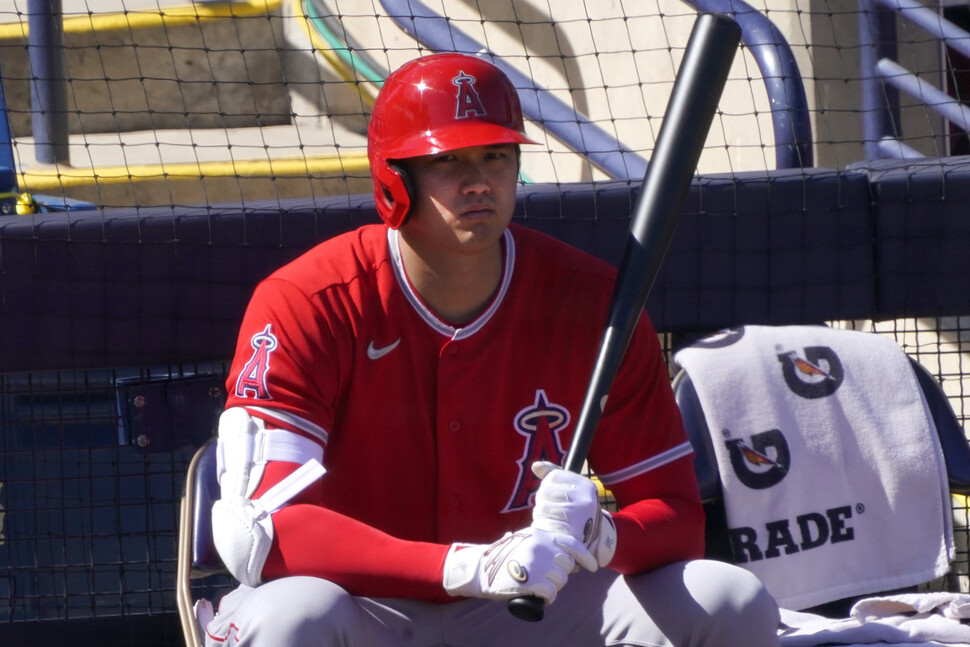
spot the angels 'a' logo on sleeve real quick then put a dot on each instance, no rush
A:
(540, 423)
(251, 382)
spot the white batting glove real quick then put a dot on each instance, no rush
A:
(526, 562)
(568, 503)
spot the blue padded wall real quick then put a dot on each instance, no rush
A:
(780, 247)
(128, 288)
(132, 287)
(921, 225)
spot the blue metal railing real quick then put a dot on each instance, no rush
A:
(790, 118)
(48, 91)
(48, 82)
(6, 143)
(786, 93)
(602, 149)
(48, 95)
(883, 78)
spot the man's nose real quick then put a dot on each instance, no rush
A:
(474, 177)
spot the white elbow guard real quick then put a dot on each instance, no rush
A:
(239, 475)
(242, 529)
(243, 535)
(245, 446)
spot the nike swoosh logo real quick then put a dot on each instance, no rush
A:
(377, 353)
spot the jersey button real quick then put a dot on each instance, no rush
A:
(454, 425)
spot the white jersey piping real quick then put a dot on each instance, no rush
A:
(296, 422)
(394, 244)
(652, 463)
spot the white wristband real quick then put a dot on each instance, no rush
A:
(460, 576)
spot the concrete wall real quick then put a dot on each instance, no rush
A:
(147, 72)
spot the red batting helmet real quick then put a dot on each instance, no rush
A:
(433, 104)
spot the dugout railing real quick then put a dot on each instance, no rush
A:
(116, 326)
(884, 78)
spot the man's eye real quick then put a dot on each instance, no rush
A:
(496, 155)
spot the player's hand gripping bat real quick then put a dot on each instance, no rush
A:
(690, 111)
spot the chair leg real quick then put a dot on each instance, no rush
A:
(191, 630)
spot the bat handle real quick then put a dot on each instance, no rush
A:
(527, 607)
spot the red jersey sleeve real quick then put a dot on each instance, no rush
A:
(283, 327)
(290, 358)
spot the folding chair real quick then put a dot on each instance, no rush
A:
(197, 555)
(954, 444)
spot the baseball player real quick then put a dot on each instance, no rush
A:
(400, 402)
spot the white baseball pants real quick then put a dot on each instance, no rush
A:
(690, 604)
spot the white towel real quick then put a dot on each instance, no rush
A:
(834, 481)
(910, 619)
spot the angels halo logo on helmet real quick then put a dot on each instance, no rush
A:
(434, 104)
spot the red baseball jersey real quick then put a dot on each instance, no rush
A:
(429, 429)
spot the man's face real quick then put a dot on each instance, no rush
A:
(464, 199)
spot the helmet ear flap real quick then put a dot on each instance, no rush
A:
(392, 191)
(403, 207)
(406, 179)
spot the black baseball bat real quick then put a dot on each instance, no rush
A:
(690, 112)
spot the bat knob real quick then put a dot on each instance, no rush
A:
(527, 607)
